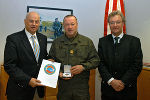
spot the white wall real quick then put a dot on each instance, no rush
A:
(138, 23)
(12, 14)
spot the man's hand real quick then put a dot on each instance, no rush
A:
(34, 82)
(76, 69)
(117, 85)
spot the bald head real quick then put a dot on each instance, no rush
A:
(31, 14)
(32, 22)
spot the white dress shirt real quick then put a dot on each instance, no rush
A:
(30, 38)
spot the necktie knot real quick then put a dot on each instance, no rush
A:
(116, 39)
(33, 36)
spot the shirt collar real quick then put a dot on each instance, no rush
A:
(29, 34)
(120, 36)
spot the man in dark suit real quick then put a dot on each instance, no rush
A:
(120, 61)
(20, 61)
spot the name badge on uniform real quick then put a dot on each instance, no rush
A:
(67, 72)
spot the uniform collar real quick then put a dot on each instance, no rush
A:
(75, 39)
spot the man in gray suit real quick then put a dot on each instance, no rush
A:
(22, 63)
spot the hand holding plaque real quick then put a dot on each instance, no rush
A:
(67, 73)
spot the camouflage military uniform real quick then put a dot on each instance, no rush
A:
(76, 51)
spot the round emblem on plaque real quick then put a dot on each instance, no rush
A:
(49, 69)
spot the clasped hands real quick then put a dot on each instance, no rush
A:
(117, 85)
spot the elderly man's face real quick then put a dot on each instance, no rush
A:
(32, 22)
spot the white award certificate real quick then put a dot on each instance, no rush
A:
(49, 72)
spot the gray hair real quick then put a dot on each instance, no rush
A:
(117, 12)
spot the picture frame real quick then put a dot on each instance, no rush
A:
(51, 20)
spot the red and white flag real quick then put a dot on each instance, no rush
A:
(112, 5)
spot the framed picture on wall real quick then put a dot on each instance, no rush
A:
(51, 20)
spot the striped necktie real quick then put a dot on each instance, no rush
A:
(36, 48)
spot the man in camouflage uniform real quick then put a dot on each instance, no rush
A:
(79, 52)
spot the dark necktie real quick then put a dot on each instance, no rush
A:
(116, 40)
(116, 45)
(36, 48)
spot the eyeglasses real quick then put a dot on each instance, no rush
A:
(117, 22)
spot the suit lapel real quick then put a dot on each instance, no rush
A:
(110, 38)
(123, 38)
(27, 44)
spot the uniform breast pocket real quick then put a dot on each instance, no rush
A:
(60, 53)
(82, 51)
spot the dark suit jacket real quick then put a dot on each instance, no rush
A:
(122, 62)
(21, 65)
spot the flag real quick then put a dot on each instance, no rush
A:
(112, 5)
